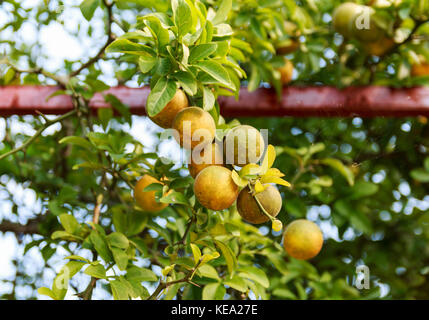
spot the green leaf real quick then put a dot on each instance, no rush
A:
(208, 271)
(426, 164)
(123, 109)
(208, 99)
(420, 175)
(182, 16)
(160, 95)
(160, 34)
(237, 283)
(87, 7)
(46, 292)
(216, 71)
(187, 81)
(69, 222)
(96, 271)
(213, 291)
(196, 252)
(231, 260)
(76, 257)
(222, 12)
(146, 63)
(79, 141)
(100, 246)
(201, 51)
(118, 240)
(175, 198)
(104, 115)
(120, 257)
(127, 46)
(255, 274)
(140, 274)
(362, 189)
(341, 168)
(119, 290)
(64, 235)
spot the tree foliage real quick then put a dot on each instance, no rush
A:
(363, 180)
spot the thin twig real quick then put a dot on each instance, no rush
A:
(37, 134)
(164, 285)
(110, 38)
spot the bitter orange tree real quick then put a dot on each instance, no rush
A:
(113, 217)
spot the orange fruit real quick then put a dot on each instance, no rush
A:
(195, 126)
(146, 199)
(249, 210)
(208, 156)
(286, 72)
(166, 116)
(215, 189)
(379, 48)
(303, 239)
(243, 144)
(418, 70)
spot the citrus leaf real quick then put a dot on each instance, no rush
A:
(160, 95)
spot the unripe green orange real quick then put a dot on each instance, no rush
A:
(213, 157)
(195, 126)
(215, 189)
(146, 199)
(248, 208)
(243, 144)
(165, 118)
(343, 16)
(303, 239)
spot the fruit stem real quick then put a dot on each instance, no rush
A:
(259, 204)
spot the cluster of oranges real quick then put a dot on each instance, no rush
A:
(211, 166)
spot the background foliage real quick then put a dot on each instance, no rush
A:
(364, 181)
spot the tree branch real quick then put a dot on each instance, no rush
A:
(31, 227)
(110, 38)
(38, 133)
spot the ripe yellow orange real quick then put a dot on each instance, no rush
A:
(286, 72)
(195, 126)
(165, 118)
(146, 199)
(212, 156)
(248, 208)
(243, 144)
(302, 239)
(214, 188)
(418, 70)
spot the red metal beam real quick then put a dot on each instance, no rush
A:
(297, 101)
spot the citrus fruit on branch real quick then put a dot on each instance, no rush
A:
(249, 209)
(356, 21)
(215, 189)
(419, 70)
(286, 72)
(146, 199)
(302, 239)
(209, 155)
(194, 126)
(243, 144)
(166, 116)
